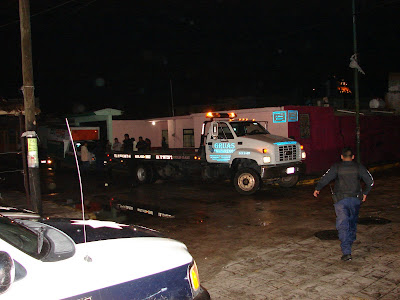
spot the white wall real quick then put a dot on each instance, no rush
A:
(175, 126)
(136, 128)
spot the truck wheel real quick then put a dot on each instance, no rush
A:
(246, 181)
(143, 174)
(153, 174)
(288, 181)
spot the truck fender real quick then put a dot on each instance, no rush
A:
(240, 163)
(246, 155)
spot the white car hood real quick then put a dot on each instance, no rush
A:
(95, 265)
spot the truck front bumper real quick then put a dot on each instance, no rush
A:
(283, 170)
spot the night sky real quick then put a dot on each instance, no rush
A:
(124, 54)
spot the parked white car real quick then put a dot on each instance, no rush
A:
(90, 259)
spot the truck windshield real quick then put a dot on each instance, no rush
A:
(248, 128)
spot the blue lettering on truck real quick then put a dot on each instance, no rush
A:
(222, 151)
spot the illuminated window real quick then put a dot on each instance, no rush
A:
(188, 138)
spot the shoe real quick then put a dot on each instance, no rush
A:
(346, 257)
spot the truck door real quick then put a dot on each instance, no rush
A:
(220, 143)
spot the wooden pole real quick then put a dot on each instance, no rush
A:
(29, 99)
(25, 166)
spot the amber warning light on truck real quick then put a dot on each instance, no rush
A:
(230, 115)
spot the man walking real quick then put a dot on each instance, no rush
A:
(347, 196)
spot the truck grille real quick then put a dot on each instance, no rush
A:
(287, 152)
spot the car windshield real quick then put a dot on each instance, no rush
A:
(248, 128)
(22, 238)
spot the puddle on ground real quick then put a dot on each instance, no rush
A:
(373, 221)
(327, 235)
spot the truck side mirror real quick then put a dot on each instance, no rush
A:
(214, 130)
(7, 271)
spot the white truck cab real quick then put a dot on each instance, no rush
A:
(253, 154)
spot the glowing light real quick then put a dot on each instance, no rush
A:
(265, 150)
(232, 115)
(303, 155)
(220, 115)
(194, 276)
(343, 88)
(153, 123)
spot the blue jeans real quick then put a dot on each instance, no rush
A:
(346, 222)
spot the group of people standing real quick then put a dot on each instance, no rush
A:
(130, 144)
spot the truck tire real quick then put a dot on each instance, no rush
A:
(288, 181)
(246, 181)
(144, 174)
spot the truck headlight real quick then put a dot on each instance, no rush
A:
(303, 155)
(266, 159)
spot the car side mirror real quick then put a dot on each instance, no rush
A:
(214, 130)
(7, 271)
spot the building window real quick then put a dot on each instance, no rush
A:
(188, 138)
(304, 121)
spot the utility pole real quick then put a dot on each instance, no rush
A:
(172, 98)
(29, 106)
(356, 95)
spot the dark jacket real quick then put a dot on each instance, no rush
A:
(347, 176)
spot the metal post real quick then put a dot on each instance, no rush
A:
(356, 95)
(29, 100)
(172, 98)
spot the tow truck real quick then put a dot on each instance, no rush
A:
(241, 150)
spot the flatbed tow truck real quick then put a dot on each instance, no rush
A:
(241, 150)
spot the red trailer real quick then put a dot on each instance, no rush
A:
(324, 132)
